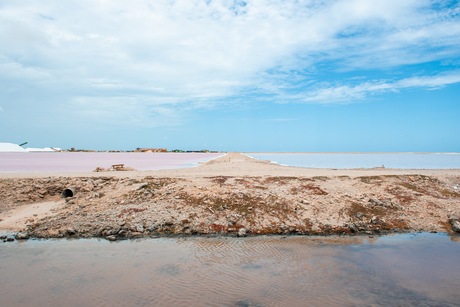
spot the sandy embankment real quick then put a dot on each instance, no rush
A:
(233, 194)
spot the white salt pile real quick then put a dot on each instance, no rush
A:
(46, 149)
(10, 147)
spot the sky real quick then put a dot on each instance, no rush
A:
(272, 75)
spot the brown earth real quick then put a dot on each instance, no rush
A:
(234, 195)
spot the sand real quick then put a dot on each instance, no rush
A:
(233, 195)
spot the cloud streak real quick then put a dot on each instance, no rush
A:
(348, 93)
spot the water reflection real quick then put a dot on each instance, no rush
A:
(402, 270)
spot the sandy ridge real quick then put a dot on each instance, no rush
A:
(234, 195)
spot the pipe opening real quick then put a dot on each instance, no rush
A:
(68, 193)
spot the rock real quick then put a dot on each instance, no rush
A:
(353, 228)
(139, 228)
(242, 232)
(9, 239)
(111, 238)
(375, 202)
(3, 237)
(70, 231)
(456, 226)
(315, 228)
(134, 235)
(387, 203)
(453, 217)
(153, 227)
(374, 219)
(22, 236)
(359, 215)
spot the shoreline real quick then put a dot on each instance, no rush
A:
(350, 153)
(231, 195)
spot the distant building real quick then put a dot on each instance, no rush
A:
(152, 150)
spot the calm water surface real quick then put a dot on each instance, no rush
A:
(345, 161)
(404, 270)
(88, 161)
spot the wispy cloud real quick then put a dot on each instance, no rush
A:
(349, 93)
(155, 59)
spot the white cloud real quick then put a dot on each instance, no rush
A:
(165, 57)
(348, 93)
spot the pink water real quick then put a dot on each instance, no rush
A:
(88, 161)
(402, 270)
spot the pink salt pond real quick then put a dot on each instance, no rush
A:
(89, 161)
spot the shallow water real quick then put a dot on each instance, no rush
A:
(404, 270)
(346, 161)
(88, 161)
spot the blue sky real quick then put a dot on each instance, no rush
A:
(332, 76)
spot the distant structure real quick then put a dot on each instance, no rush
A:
(151, 150)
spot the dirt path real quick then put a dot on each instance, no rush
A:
(18, 218)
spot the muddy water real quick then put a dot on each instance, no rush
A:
(404, 270)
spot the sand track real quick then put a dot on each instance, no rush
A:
(18, 218)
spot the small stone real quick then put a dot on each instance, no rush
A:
(353, 228)
(242, 232)
(359, 215)
(453, 217)
(139, 228)
(153, 227)
(315, 228)
(70, 231)
(456, 226)
(387, 203)
(22, 236)
(3, 237)
(111, 238)
(9, 239)
(375, 202)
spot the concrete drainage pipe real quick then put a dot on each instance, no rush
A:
(68, 192)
